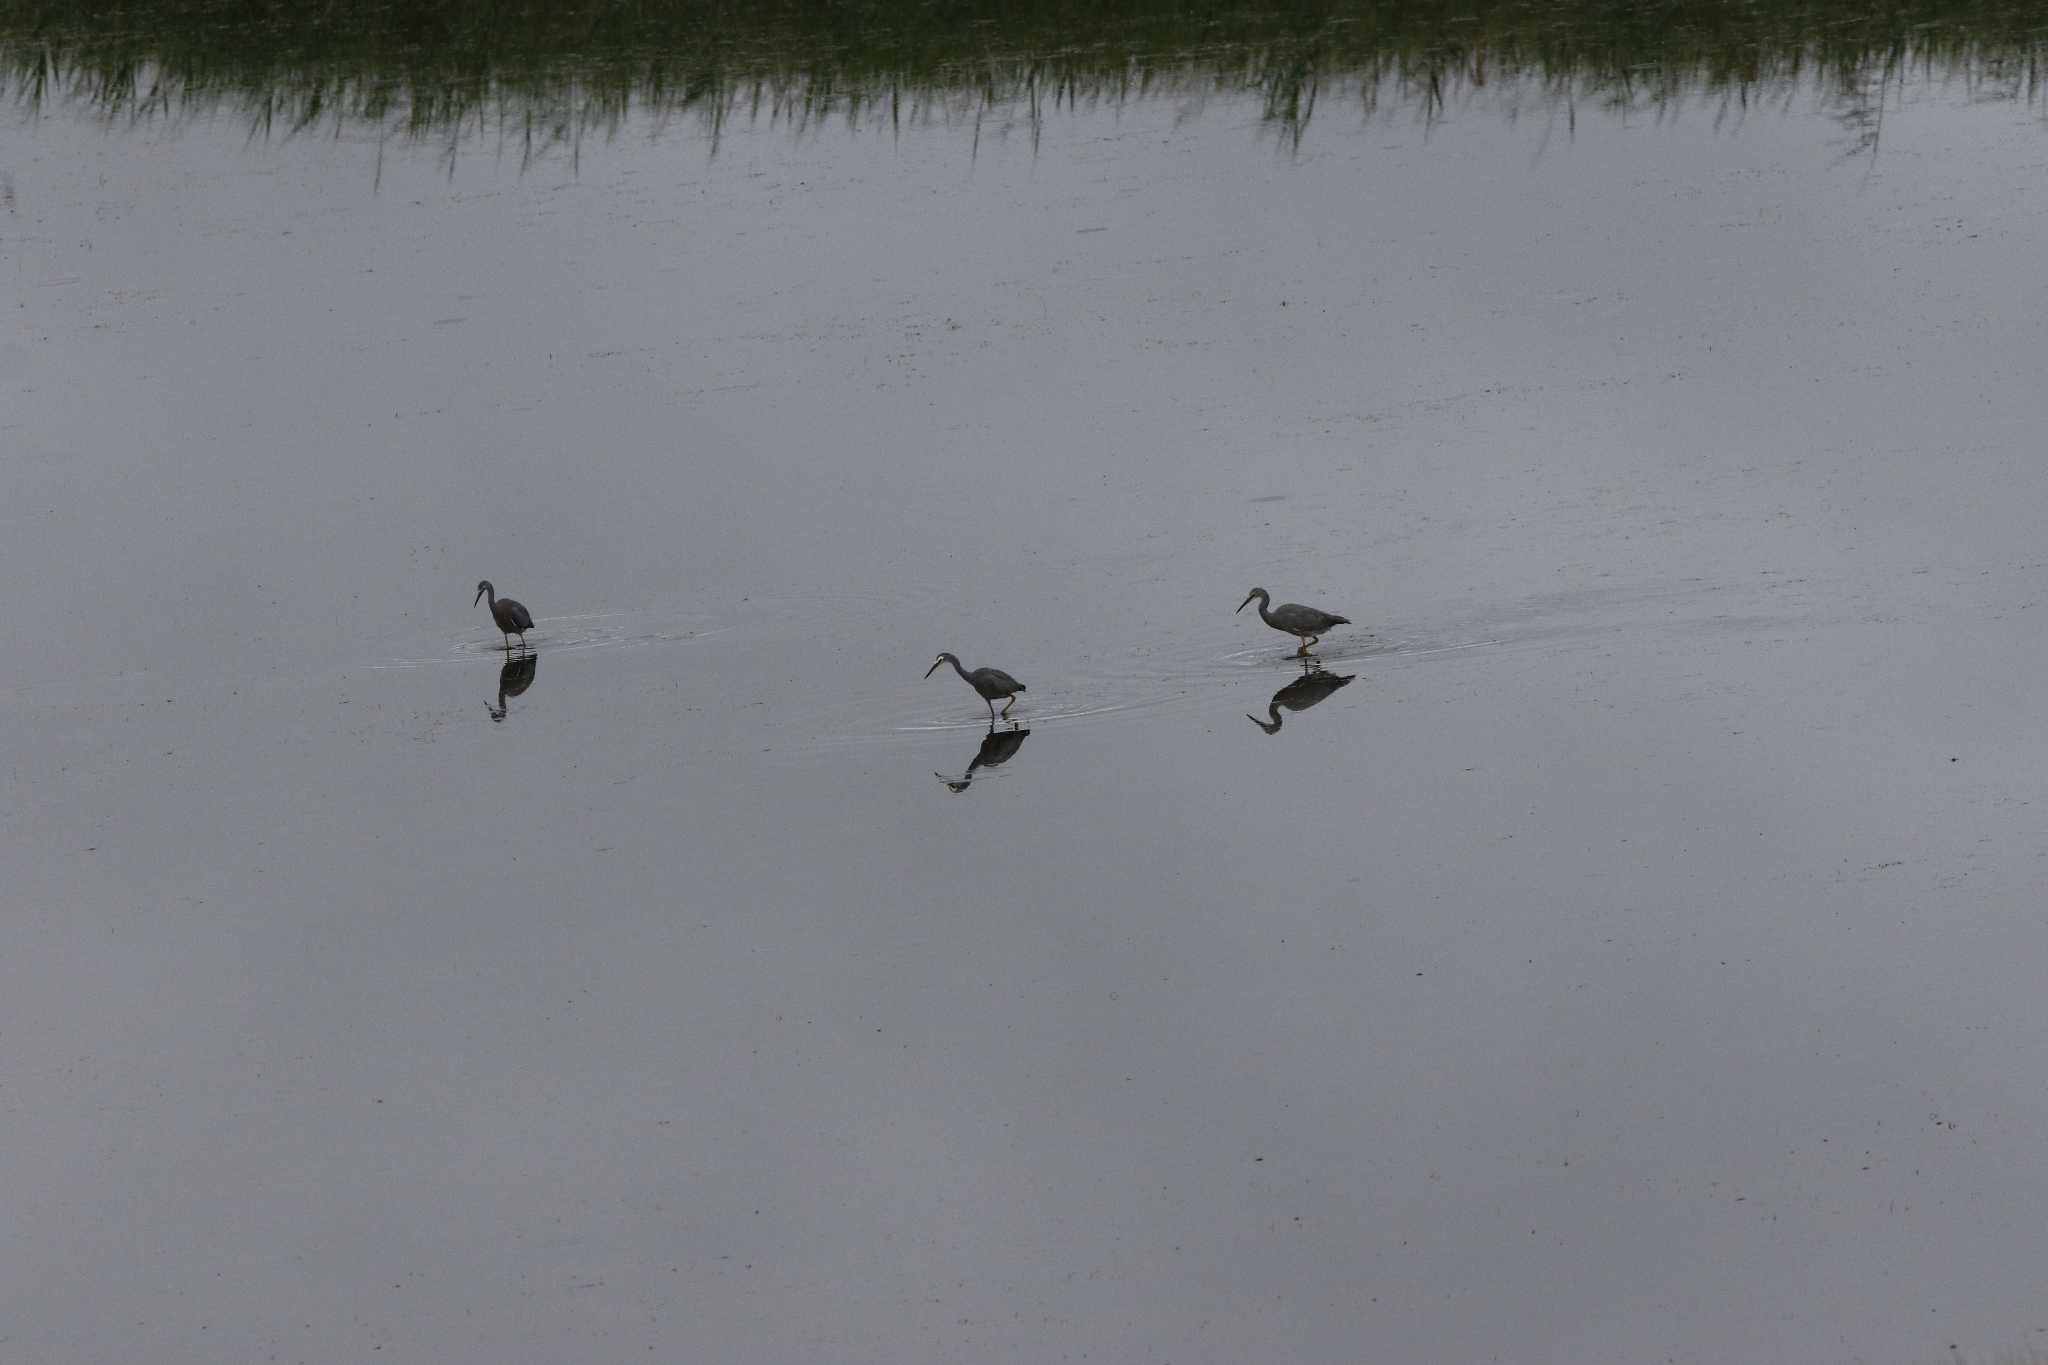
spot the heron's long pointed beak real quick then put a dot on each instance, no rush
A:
(479, 596)
(934, 668)
(1242, 605)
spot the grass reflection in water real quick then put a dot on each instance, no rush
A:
(541, 75)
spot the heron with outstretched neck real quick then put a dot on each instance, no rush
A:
(512, 617)
(989, 682)
(1306, 624)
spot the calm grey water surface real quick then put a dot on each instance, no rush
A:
(1638, 960)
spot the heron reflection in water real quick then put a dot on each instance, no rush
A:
(1305, 691)
(997, 747)
(514, 678)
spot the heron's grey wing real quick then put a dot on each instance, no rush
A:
(1309, 619)
(1294, 616)
(1003, 679)
(521, 616)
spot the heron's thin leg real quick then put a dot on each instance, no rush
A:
(1006, 705)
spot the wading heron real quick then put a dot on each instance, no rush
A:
(512, 618)
(1304, 623)
(989, 682)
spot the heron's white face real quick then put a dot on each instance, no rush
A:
(935, 665)
(1248, 599)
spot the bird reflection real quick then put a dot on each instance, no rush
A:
(514, 678)
(996, 748)
(1305, 691)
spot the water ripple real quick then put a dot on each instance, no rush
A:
(571, 632)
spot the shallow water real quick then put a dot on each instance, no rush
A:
(1638, 959)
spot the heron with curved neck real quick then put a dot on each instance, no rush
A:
(1306, 624)
(989, 682)
(512, 617)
